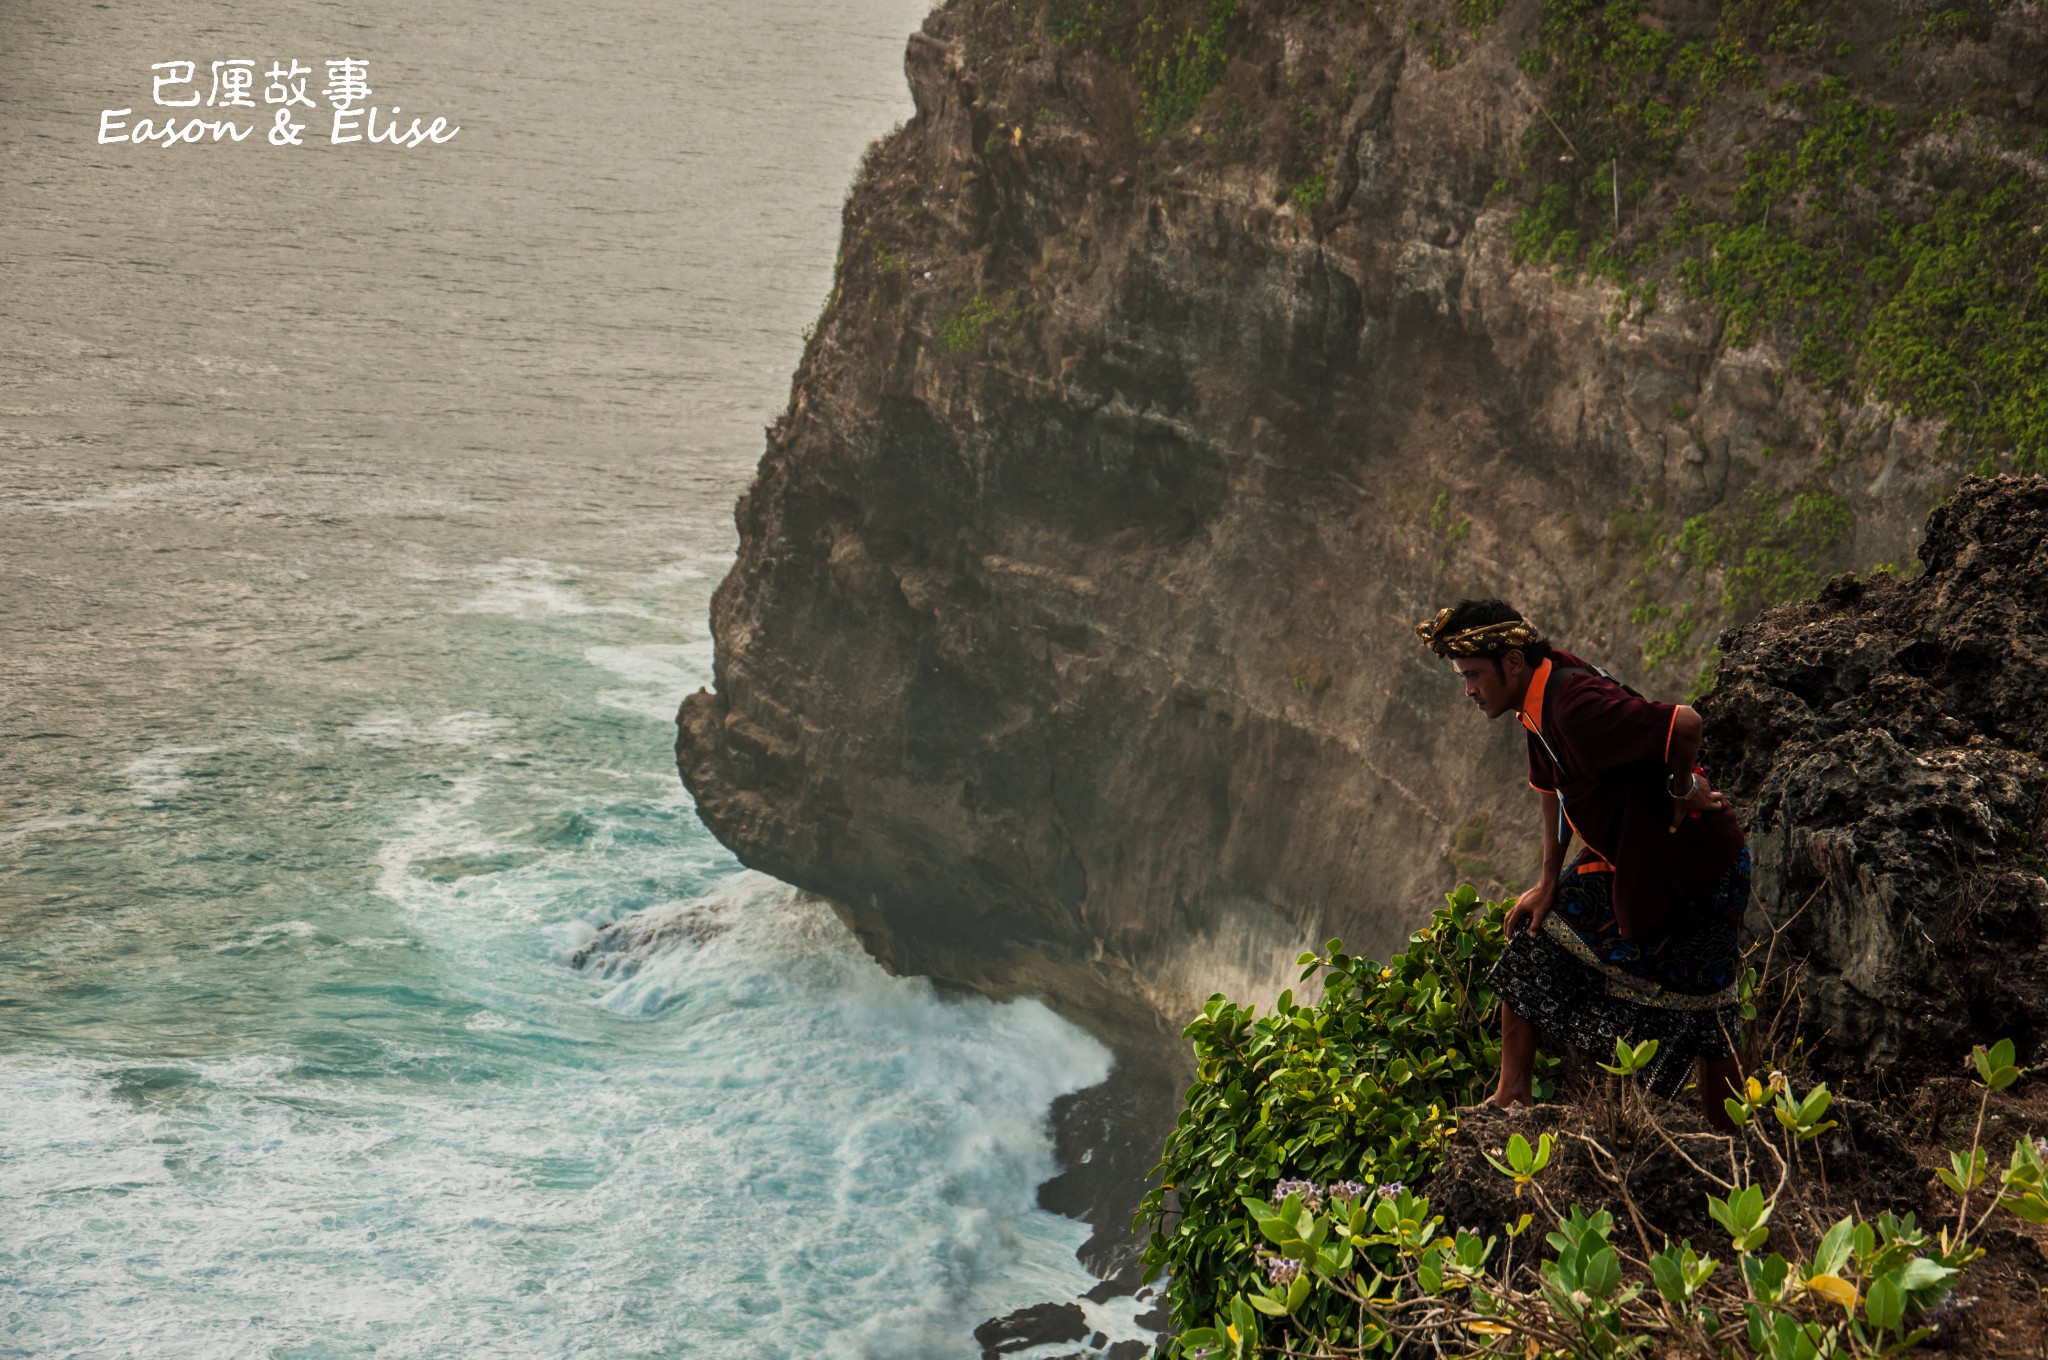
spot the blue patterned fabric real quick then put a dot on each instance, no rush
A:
(1580, 983)
(1700, 957)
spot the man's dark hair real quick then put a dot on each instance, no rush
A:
(1468, 614)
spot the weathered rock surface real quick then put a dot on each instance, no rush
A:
(1888, 739)
(1067, 648)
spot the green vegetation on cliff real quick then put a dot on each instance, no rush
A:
(1780, 167)
(1289, 1211)
(1861, 190)
(1177, 54)
(1359, 1086)
(1895, 249)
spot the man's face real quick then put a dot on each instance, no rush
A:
(1495, 689)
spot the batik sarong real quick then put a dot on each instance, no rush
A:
(1581, 983)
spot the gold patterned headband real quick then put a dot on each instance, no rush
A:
(1489, 639)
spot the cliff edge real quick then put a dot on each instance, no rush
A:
(1182, 355)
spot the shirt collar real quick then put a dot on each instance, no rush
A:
(1532, 698)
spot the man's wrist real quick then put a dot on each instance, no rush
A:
(1680, 795)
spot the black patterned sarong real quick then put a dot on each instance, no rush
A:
(1578, 981)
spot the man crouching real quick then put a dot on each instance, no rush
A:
(1636, 938)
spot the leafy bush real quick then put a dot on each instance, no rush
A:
(1176, 70)
(1177, 57)
(1311, 192)
(964, 329)
(1354, 1272)
(1770, 555)
(1357, 1089)
(1861, 1292)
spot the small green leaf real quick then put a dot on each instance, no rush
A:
(1669, 1279)
(1833, 1251)
(2031, 1206)
(1921, 1273)
(1884, 1303)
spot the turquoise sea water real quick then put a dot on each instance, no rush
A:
(358, 522)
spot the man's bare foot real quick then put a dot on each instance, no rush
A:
(1507, 1100)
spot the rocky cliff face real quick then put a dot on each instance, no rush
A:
(1067, 647)
(1889, 741)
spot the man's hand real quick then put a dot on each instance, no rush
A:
(1534, 905)
(1702, 797)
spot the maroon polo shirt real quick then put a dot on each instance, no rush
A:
(1615, 749)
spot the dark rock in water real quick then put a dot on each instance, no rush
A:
(1888, 742)
(1038, 1325)
(1107, 1139)
(621, 949)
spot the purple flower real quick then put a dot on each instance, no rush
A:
(1351, 1190)
(1280, 1271)
(1311, 1197)
(1391, 1190)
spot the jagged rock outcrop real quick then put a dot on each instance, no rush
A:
(1067, 647)
(1888, 740)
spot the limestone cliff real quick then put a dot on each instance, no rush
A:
(1181, 357)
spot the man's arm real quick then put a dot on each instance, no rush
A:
(1555, 837)
(1688, 795)
(1537, 901)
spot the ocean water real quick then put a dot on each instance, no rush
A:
(359, 512)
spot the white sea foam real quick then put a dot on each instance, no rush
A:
(21, 831)
(530, 587)
(872, 1149)
(525, 597)
(661, 674)
(160, 776)
(797, 1154)
(401, 729)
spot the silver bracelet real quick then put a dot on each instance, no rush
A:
(1680, 797)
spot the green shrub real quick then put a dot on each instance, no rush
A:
(1770, 555)
(1361, 1087)
(1353, 1272)
(1085, 23)
(1176, 71)
(964, 329)
(1476, 14)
